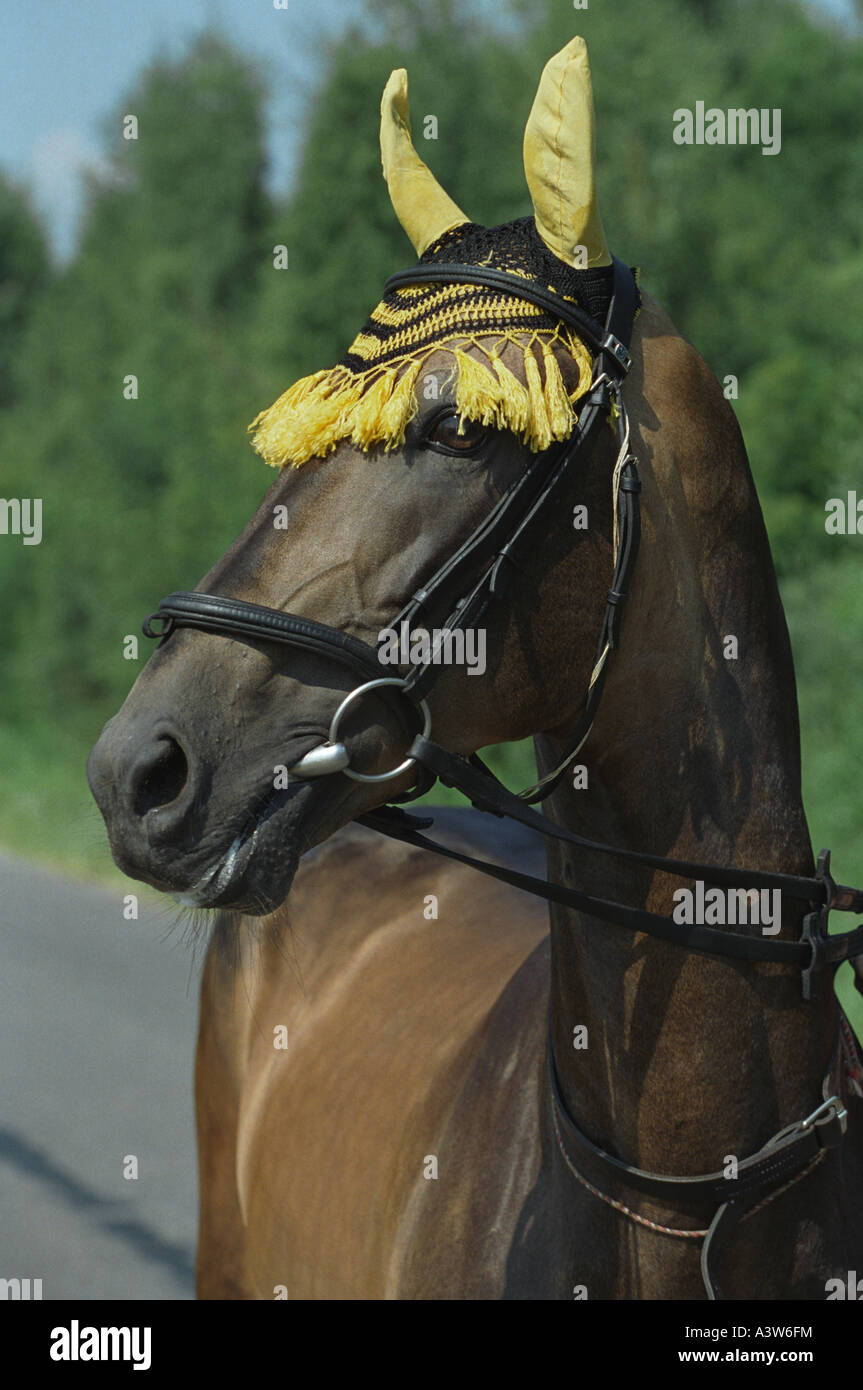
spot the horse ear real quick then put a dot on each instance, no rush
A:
(421, 205)
(559, 160)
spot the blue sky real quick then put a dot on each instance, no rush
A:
(67, 65)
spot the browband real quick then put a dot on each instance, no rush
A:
(599, 338)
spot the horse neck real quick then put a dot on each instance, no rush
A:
(694, 754)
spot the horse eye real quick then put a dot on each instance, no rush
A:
(458, 435)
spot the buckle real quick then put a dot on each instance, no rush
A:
(822, 872)
(814, 931)
(814, 938)
(629, 479)
(828, 1115)
(618, 350)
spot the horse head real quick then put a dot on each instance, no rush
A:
(454, 393)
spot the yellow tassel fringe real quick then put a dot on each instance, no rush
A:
(374, 408)
(515, 407)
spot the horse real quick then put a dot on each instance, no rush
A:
(414, 1082)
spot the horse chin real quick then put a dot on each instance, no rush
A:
(253, 878)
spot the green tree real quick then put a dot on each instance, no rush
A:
(140, 492)
(24, 274)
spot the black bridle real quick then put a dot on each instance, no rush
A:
(477, 575)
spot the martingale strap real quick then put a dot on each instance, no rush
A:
(786, 1158)
(810, 954)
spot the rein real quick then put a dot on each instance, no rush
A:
(494, 552)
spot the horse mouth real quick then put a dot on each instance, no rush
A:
(254, 875)
(212, 886)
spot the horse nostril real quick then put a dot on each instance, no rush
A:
(160, 781)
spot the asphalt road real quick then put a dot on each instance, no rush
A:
(97, 1027)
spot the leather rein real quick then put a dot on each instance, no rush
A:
(475, 576)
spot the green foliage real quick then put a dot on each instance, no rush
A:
(137, 493)
(24, 273)
(757, 259)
